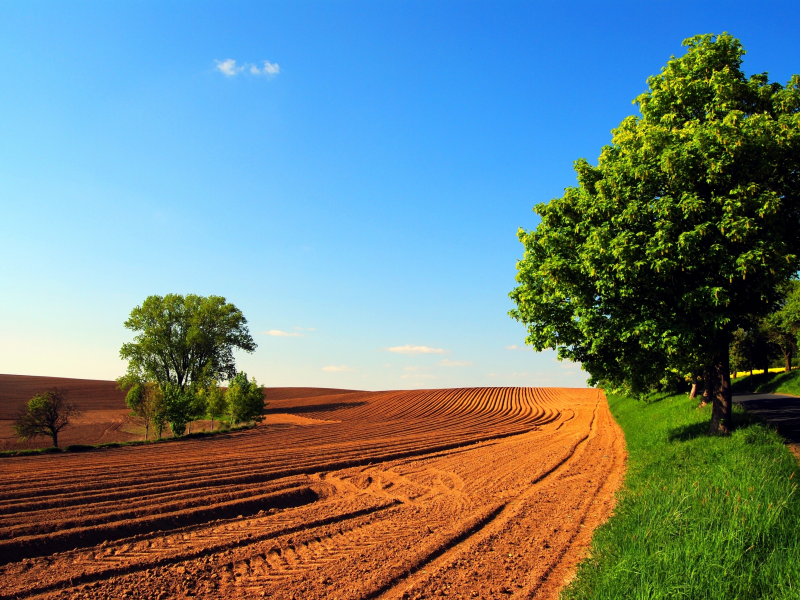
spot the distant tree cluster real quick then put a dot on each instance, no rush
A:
(183, 348)
(158, 404)
(757, 345)
(685, 235)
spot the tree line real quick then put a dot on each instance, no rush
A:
(685, 235)
(158, 404)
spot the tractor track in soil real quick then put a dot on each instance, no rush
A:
(472, 493)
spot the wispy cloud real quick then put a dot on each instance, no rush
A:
(306, 328)
(279, 333)
(445, 362)
(408, 349)
(339, 369)
(515, 347)
(269, 69)
(229, 68)
(418, 376)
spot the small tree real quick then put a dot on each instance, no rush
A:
(245, 399)
(217, 402)
(179, 407)
(147, 402)
(198, 406)
(45, 414)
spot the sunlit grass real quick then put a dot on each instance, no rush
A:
(699, 516)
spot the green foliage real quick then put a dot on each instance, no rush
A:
(751, 348)
(184, 340)
(681, 234)
(146, 400)
(180, 406)
(783, 325)
(245, 399)
(699, 516)
(216, 401)
(45, 414)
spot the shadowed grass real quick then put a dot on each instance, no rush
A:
(699, 516)
(770, 383)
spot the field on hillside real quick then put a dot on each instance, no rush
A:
(104, 417)
(489, 493)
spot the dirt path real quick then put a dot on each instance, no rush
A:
(478, 493)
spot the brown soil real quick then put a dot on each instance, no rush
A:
(88, 394)
(469, 493)
(105, 418)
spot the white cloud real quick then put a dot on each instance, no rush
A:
(515, 347)
(408, 349)
(269, 69)
(228, 67)
(306, 328)
(445, 362)
(339, 369)
(279, 333)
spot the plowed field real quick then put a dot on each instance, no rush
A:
(487, 493)
(104, 416)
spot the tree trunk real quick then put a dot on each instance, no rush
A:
(787, 355)
(212, 424)
(708, 385)
(54, 435)
(693, 393)
(722, 407)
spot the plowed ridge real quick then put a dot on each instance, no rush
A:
(482, 492)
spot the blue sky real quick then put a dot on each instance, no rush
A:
(365, 183)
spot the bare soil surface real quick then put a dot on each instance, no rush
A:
(89, 394)
(468, 493)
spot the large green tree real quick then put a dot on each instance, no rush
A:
(185, 340)
(682, 233)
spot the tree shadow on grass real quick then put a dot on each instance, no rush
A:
(685, 433)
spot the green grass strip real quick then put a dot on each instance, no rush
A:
(698, 516)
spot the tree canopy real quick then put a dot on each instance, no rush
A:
(684, 231)
(185, 340)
